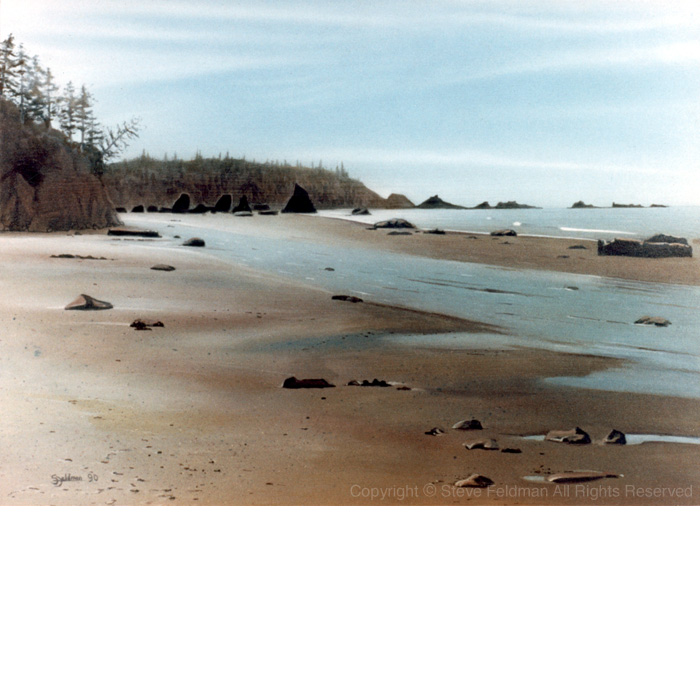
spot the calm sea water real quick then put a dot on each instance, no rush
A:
(569, 313)
(569, 223)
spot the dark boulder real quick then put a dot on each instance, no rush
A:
(615, 437)
(121, 210)
(125, 231)
(504, 232)
(87, 303)
(261, 207)
(200, 209)
(652, 321)
(360, 211)
(164, 268)
(242, 206)
(223, 204)
(346, 297)
(294, 383)
(138, 209)
(299, 202)
(194, 243)
(394, 224)
(435, 431)
(268, 212)
(143, 325)
(182, 204)
(151, 208)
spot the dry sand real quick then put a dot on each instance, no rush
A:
(194, 413)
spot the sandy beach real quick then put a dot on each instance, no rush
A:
(194, 413)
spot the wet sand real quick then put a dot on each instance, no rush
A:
(194, 413)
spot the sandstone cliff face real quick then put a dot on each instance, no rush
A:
(44, 184)
(146, 181)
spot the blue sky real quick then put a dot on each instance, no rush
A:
(543, 101)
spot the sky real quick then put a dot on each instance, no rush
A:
(541, 101)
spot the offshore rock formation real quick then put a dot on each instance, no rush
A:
(45, 185)
(160, 182)
(435, 202)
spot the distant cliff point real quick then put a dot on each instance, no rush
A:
(157, 183)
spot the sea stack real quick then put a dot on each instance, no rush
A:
(299, 202)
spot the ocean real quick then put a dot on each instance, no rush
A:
(588, 224)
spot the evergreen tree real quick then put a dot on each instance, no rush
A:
(8, 68)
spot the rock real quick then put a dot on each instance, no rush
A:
(479, 444)
(332, 269)
(664, 238)
(299, 202)
(354, 382)
(577, 247)
(261, 207)
(87, 303)
(652, 321)
(579, 476)
(399, 232)
(126, 231)
(436, 231)
(142, 325)
(375, 382)
(138, 209)
(514, 205)
(394, 224)
(398, 201)
(270, 212)
(581, 205)
(471, 424)
(245, 213)
(478, 481)
(346, 297)
(659, 246)
(435, 202)
(120, 210)
(483, 205)
(45, 184)
(435, 431)
(294, 383)
(360, 211)
(200, 209)
(194, 243)
(615, 437)
(504, 232)
(403, 388)
(223, 204)
(152, 209)
(182, 204)
(164, 268)
(575, 436)
(242, 206)
(512, 450)
(615, 205)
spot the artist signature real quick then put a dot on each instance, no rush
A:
(57, 480)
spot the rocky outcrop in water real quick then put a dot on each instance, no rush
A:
(435, 202)
(45, 184)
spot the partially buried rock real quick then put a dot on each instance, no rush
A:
(294, 383)
(579, 476)
(435, 431)
(164, 268)
(615, 437)
(87, 303)
(504, 232)
(575, 436)
(481, 445)
(471, 424)
(652, 321)
(141, 325)
(360, 211)
(478, 481)
(512, 450)
(346, 297)
(194, 243)
(394, 224)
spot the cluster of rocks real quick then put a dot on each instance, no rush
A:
(577, 436)
(141, 325)
(294, 383)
